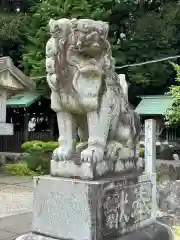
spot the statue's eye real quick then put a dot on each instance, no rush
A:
(56, 27)
(101, 30)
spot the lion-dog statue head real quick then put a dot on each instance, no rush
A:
(77, 62)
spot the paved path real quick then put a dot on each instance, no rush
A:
(16, 195)
(16, 199)
(13, 226)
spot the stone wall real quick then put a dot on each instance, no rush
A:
(168, 196)
(168, 191)
(6, 157)
(167, 170)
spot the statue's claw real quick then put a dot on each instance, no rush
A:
(92, 155)
(62, 153)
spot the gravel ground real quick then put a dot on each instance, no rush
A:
(15, 199)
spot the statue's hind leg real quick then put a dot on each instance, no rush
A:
(82, 133)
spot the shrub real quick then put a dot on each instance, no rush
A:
(141, 152)
(39, 145)
(158, 178)
(19, 169)
(176, 231)
(39, 155)
(38, 159)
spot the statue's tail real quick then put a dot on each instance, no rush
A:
(133, 116)
(124, 85)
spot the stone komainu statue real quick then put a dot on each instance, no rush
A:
(89, 97)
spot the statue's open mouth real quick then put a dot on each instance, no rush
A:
(90, 49)
(91, 70)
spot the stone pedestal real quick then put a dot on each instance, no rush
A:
(85, 170)
(154, 231)
(77, 209)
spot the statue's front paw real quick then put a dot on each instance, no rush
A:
(62, 153)
(92, 155)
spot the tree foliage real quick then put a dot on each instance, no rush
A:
(139, 31)
(13, 16)
(173, 113)
(151, 31)
(34, 58)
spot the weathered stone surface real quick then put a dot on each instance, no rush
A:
(152, 232)
(163, 191)
(76, 209)
(170, 219)
(89, 96)
(10, 157)
(167, 219)
(85, 170)
(168, 170)
(150, 149)
(168, 196)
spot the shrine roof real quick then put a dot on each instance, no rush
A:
(6, 64)
(24, 99)
(154, 104)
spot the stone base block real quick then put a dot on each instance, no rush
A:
(104, 168)
(70, 169)
(76, 209)
(152, 232)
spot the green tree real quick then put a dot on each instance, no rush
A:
(37, 30)
(13, 16)
(150, 31)
(173, 113)
(139, 31)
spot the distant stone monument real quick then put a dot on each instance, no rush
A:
(96, 189)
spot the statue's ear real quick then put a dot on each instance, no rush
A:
(51, 22)
(106, 28)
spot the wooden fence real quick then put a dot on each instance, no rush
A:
(13, 143)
